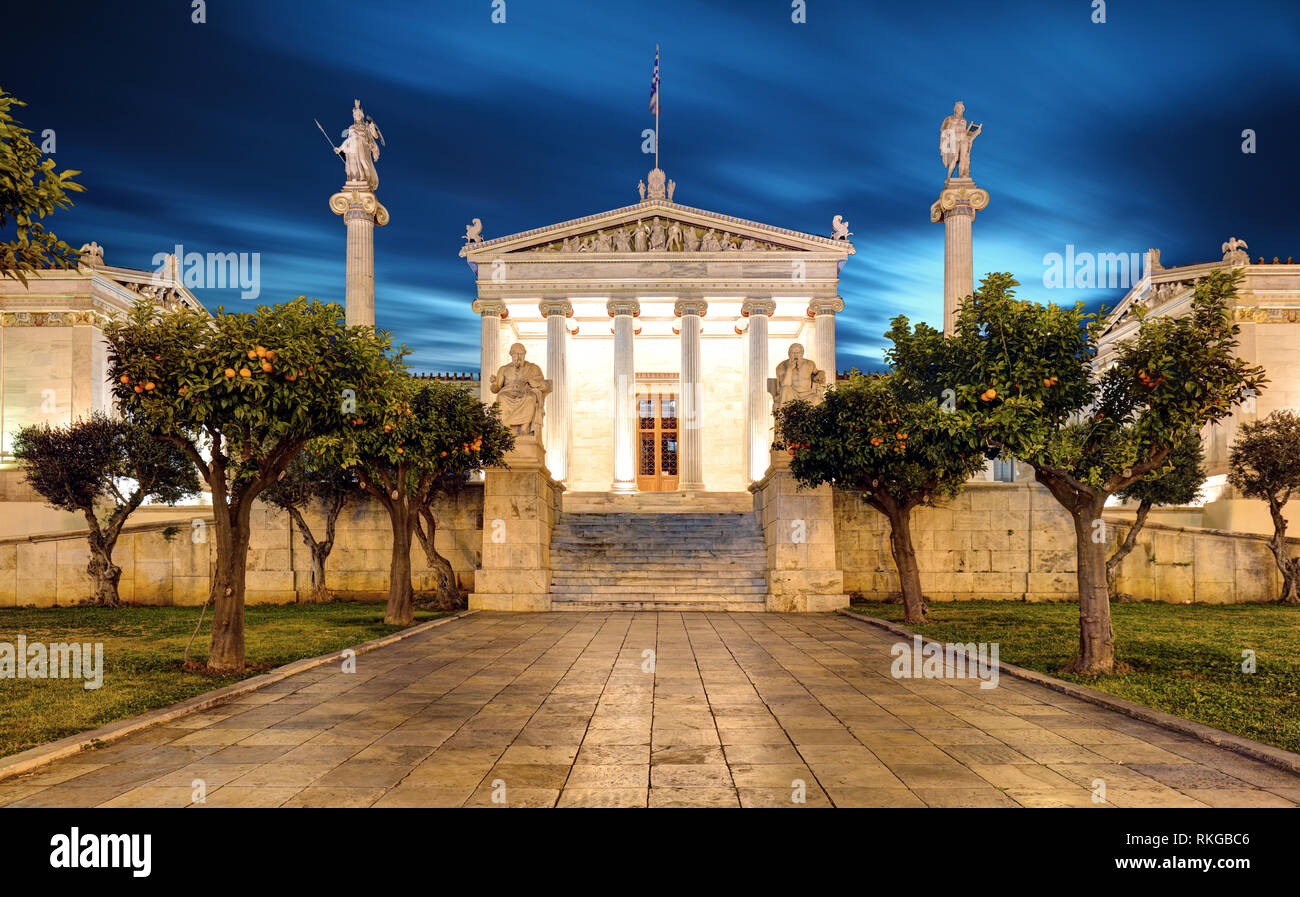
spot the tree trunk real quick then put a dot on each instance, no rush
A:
(400, 610)
(909, 573)
(104, 574)
(226, 648)
(447, 593)
(319, 552)
(1125, 547)
(1287, 565)
(1096, 634)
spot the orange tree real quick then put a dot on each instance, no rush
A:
(428, 436)
(1023, 379)
(241, 393)
(889, 438)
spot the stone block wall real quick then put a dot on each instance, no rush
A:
(1014, 541)
(170, 563)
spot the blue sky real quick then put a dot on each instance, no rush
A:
(1111, 137)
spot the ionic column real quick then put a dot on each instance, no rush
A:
(361, 211)
(623, 311)
(690, 457)
(956, 208)
(556, 422)
(823, 312)
(491, 311)
(759, 442)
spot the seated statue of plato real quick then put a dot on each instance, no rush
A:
(520, 389)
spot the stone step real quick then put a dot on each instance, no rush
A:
(757, 584)
(650, 561)
(660, 606)
(657, 502)
(632, 577)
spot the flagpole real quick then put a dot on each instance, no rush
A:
(658, 87)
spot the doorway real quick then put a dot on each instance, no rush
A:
(657, 440)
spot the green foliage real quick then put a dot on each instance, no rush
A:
(872, 434)
(250, 387)
(1023, 376)
(85, 464)
(430, 434)
(1264, 461)
(1178, 482)
(310, 477)
(30, 189)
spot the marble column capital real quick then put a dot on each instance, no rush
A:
(489, 308)
(551, 307)
(684, 307)
(831, 306)
(758, 307)
(354, 203)
(960, 196)
(623, 306)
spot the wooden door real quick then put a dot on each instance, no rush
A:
(657, 441)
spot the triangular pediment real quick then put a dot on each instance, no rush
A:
(656, 226)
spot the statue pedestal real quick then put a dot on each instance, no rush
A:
(799, 533)
(520, 505)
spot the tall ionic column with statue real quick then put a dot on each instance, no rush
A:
(956, 208)
(361, 212)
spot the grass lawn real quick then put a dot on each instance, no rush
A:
(1182, 659)
(142, 658)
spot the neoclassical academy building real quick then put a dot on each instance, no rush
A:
(639, 354)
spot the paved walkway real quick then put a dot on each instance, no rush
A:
(556, 710)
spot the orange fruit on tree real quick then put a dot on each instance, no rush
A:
(245, 372)
(149, 385)
(266, 367)
(126, 379)
(230, 372)
(139, 389)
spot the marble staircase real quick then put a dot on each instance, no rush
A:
(658, 561)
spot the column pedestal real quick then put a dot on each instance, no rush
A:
(361, 212)
(956, 208)
(520, 505)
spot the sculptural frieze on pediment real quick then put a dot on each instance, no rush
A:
(657, 233)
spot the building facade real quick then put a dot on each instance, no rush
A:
(657, 326)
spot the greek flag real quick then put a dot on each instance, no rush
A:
(654, 86)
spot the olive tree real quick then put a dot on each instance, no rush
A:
(240, 394)
(309, 480)
(103, 468)
(1264, 463)
(1023, 378)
